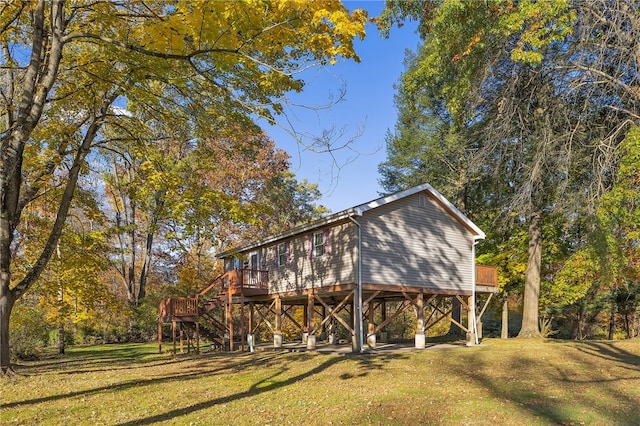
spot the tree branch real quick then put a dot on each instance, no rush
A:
(147, 52)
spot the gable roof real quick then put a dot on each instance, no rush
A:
(360, 209)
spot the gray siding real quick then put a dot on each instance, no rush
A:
(303, 271)
(406, 243)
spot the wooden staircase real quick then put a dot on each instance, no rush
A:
(198, 313)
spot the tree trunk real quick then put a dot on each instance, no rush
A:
(505, 317)
(61, 320)
(131, 275)
(612, 316)
(530, 327)
(6, 305)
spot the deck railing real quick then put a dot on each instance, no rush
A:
(178, 306)
(486, 275)
(246, 278)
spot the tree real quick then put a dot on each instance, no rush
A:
(67, 66)
(617, 235)
(515, 83)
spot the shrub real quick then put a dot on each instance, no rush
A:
(29, 331)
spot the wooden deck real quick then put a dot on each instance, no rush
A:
(213, 305)
(253, 282)
(486, 279)
(178, 309)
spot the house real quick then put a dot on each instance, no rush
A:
(413, 246)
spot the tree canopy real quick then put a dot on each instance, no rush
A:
(517, 109)
(84, 75)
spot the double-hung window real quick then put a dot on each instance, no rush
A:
(318, 244)
(282, 253)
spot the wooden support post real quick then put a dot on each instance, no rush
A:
(311, 337)
(277, 335)
(471, 335)
(371, 326)
(384, 336)
(229, 318)
(197, 336)
(323, 330)
(174, 336)
(181, 338)
(189, 341)
(479, 316)
(420, 337)
(251, 338)
(242, 323)
(305, 322)
(251, 317)
(504, 333)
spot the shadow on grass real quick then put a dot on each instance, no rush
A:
(271, 383)
(586, 384)
(87, 359)
(184, 375)
(609, 352)
(194, 368)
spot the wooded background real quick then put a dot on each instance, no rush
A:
(130, 153)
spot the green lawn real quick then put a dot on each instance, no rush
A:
(510, 382)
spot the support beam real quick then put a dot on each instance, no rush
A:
(251, 317)
(174, 336)
(263, 319)
(504, 333)
(403, 307)
(371, 326)
(479, 317)
(229, 315)
(334, 312)
(243, 329)
(251, 338)
(277, 335)
(383, 317)
(305, 322)
(286, 313)
(197, 337)
(181, 338)
(444, 315)
(311, 337)
(370, 298)
(484, 307)
(471, 335)
(420, 339)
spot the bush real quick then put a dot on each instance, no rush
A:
(144, 322)
(29, 331)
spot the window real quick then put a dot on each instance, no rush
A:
(282, 254)
(318, 244)
(253, 261)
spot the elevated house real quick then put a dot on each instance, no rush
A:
(413, 246)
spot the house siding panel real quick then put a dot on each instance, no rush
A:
(304, 271)
(413, 243)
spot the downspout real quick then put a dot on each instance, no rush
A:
(476, 240)
(357, 323)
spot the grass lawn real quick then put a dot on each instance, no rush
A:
(501, 382)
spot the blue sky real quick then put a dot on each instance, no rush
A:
(350, 176)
